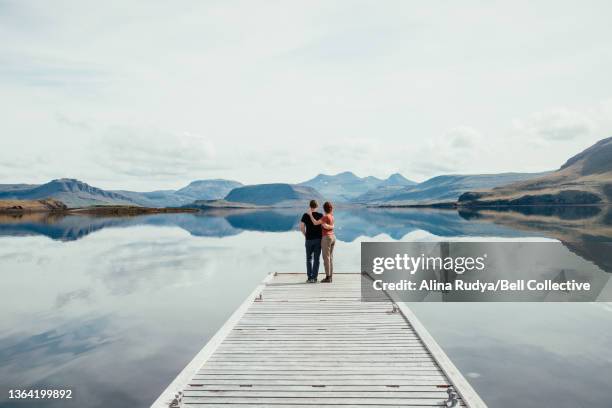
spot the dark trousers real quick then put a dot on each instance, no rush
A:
(313, 253)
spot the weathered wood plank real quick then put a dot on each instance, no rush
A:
(320, 375)
(319, 382)
(324, 358)
(313, 400)
(317, 393)
(289, 371)
(303, 405)
(321, 365)
(310, 388)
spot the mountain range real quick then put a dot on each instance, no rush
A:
(585, 178)
(75, 193)
(213, 189)
(342, 188)
(440, 188)
(346, 186)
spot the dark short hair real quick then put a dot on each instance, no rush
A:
(328, 207)
(313, 204)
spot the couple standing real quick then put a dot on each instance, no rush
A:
(318, 229)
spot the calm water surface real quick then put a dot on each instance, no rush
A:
(113, 308)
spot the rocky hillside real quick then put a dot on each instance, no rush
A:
(73, 193)
(584, 179)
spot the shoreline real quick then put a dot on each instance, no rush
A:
(50, 206)
(42, 208)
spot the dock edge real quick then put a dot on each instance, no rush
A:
(461, 385)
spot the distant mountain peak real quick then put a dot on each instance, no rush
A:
(66, 180)
(70, 184)
(207, 189)
(343, 186)
(72, 192)
(396, 179)
(347, 173)
(213, 181)
(273, 194)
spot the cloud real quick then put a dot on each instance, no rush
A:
(80, 125)
(556, 125)
(392, 75)
(350, 45)
(463, 137)
(147, 265)
(65, 298)
(17, 68)
(22, 164)
(456, 151)
(155, 153)
(349, 150)
(37, 356)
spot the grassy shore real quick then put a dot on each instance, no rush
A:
(18, 206)
(55, 206)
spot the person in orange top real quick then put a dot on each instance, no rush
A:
(328, 241)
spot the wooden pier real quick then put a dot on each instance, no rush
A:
(292, 344)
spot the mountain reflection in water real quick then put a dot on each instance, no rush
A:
(351, 223)
(132, 299)
(584, 230)
(577, 227)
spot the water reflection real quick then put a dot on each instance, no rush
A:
(561, 212)
(539, 354)
(352, 223)
(564, 222)
(115, 316)
(114, 307)
(579, 228)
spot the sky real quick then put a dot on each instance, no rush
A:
(146, 95)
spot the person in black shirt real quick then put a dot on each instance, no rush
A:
(313, 234)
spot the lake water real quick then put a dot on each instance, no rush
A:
(113, 308)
